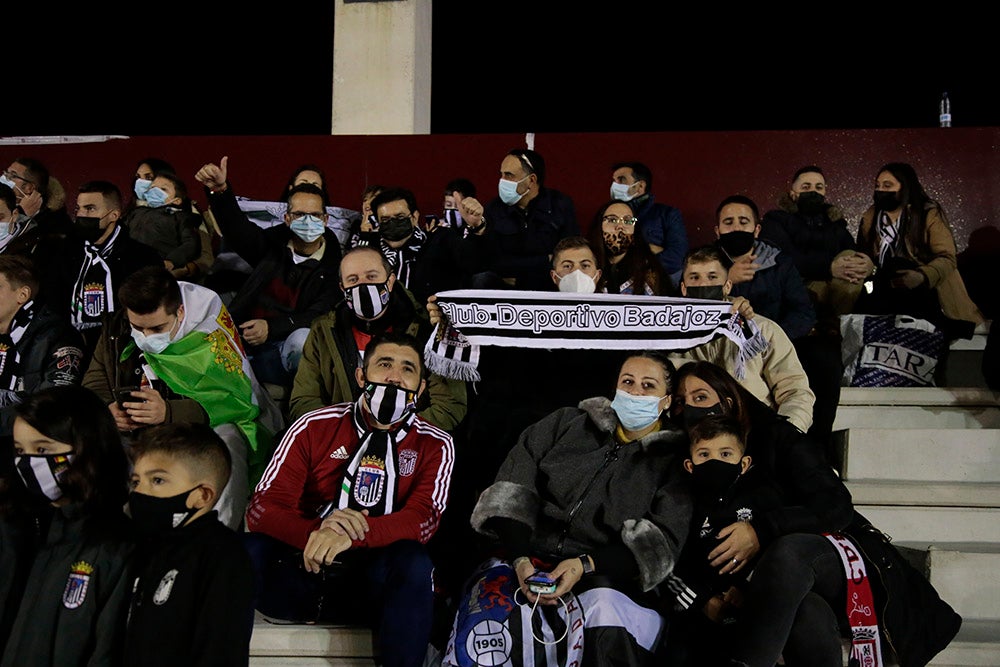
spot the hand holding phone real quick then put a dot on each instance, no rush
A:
(124, 395)
(541, 582)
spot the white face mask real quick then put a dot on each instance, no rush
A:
(577, 282)
(619, 191)
(153, 343)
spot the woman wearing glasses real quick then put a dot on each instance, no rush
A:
(627, 264)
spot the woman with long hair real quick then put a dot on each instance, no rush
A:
(627, 264)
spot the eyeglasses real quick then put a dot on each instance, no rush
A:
(12, 175)
(615, 220)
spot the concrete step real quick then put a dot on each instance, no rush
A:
(963, 575)
(320, 641)
(938, 454)
(922, 493)
(976, 645)
(963, 397)
(916, 416)
(935, 525)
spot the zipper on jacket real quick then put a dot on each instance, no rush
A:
(610, 457)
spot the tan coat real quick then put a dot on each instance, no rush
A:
(937, 260)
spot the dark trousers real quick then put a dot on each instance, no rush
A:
(820, 356)
(794, 605)
(388, 588)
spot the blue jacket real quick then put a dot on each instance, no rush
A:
(663, 225)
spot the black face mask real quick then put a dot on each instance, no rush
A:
(810, 203)
(885, 200)
(714, 478)
(88, 228)
(736, 244)
(713, 292)
(692, 414)
(153, 515)
(395, 229)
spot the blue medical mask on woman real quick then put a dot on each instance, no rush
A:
(141, 187)
(508, 191)
(156, 197)
(308, 228)
(636, 412)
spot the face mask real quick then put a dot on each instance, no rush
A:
(43, 474)
(636, 412)
(713, 292)
(88, 228)
(368, 301)
(619, 191)
(577, 282)
(6, 181)
(714, 478)
(141, 187)
(5, 229)
(453, 217)
(395, 229)
(154, 515)
(885, 200)
(693, 414)
(810, 203)
(156, 197)
(308, 228)
(389, 403)
(508, 191)
(617, 242)
(736, 244)
(153, 343)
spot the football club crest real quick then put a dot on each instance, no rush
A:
(166, 584)
(93, 299)
(77, 585)
(370, 481)
(407, 462)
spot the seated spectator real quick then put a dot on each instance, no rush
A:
(627, 266)
(775, 376)
(169, 225)
(38, 347)
(523, 225)
(65, 542)
(193, 588)
(660, 225)
(105, 257)
(455, 191)
(399, 237)
(909, 239)
(366, 223)
(171, 356)
(293, 277)
(8, 215)
(559, 505)
(337, 342)
(813, 232)
(337, 526)
(142, 180)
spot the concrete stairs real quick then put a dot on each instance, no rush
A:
(923, 464)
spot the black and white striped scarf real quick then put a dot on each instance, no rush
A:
(92, 292)
(10, 357)
(888, 236)
(556, 320)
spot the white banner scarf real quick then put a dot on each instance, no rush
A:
(556, 320)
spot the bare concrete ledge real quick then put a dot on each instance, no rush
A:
(921, 493)
(933, 396)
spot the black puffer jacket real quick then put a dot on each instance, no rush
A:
(812, 241)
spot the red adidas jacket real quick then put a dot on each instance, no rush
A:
(306, 472)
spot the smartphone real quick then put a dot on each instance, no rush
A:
(540, 582)
(123, 394)
(430, 221)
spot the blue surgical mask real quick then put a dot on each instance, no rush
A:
(156, 197)
(6, 181)
(636, 412)
(508, 191)
(619, 191)
(141, 187)
(308, 228)
(5, 229)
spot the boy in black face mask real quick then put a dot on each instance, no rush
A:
(726, 490)
(192, 599)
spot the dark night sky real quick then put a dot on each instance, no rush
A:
(516, 71)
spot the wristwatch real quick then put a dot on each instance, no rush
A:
(588, 568)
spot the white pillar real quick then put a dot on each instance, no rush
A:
(382, 67)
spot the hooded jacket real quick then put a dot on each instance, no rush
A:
(579, 490)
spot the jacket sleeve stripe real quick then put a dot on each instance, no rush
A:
(286, 442)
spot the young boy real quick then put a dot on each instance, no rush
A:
(192, 600)
(727, 491)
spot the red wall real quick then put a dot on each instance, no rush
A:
(692, 170)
